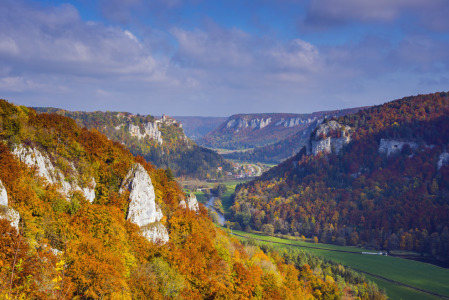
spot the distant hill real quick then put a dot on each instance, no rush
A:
(244, 131)
(251, 130)
(197, 127)
(289, 146)
(379, 178)
(160, 141)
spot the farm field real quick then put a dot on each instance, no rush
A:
(419, 275)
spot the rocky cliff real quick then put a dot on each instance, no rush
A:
(294, 121)
(443, 159)
(150, 130)
(245, 122)
(6, 212)
(46, 169)
(192, 203)
(143, 209)
(259, 130)
(329, 137)
(391, 146)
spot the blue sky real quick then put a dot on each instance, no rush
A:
(221, 57)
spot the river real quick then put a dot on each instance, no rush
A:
(210, 205)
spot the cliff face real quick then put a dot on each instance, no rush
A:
(245, 122)
(45, 168)
(6, 212)
(3, 195)
(143, 209)
(390, 146)
(295, 121)
(192, 203)
(443, 159)
(329, 137)
(264, 130)
(150, 130)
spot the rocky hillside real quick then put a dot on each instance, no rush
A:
(82, 218)
(379, 177)
(251, 130)
(289, 146)
(160, 141)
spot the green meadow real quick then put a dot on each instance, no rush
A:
(419, 275)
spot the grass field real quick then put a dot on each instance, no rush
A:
(416, 274)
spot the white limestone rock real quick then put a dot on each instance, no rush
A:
(45, 168)
(89, 191)
(243, 122)
(443, 159)
(192, 203)
(182, 203)
(390, 146)
(156, 233)
(3, 195)
(151, 131)
(143, 209)
(6, 212)
(34, 158)
(11, 215)
(323, 140)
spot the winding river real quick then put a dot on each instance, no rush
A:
(221, 217)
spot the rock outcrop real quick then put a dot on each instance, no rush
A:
(242, 123)
(192, 203)
(155, 232)
(45, 168)
(3, 195)
(143, 209)
(294, 121)
(329, 137)
(6, 212)
(150, 130)
(443, 159)
(390, 146)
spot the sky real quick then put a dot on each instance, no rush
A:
(221, 57)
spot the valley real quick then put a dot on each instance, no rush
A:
(401, 278)
(224, 150)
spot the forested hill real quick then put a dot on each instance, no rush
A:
(288, 147)
(160, 141)
(379, 177)
(244, 131)
(82, 218)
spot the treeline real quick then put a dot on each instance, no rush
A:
(327, 275)
(177, 152)
(361, 196)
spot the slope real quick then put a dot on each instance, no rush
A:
(134, 239)
(160, 141)
(270, 134)
(378, 178)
